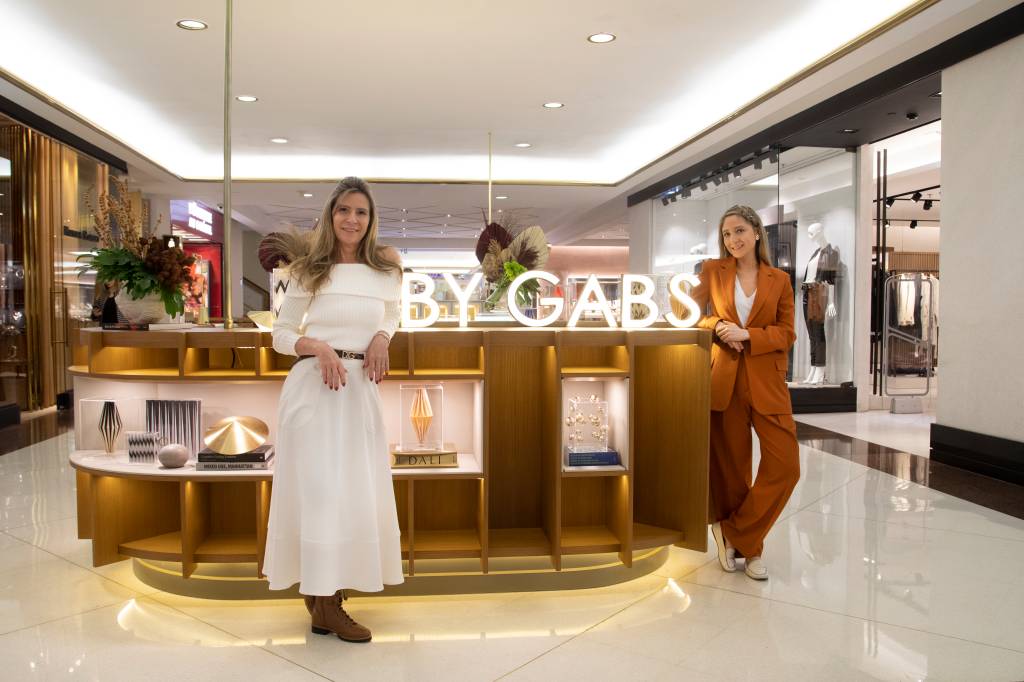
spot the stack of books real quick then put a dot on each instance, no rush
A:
(592, 459)
(258, 458)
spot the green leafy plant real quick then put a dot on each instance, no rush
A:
(142, 263)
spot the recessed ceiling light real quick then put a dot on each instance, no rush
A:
(502, 196)
(279, 140)
(553, 105)
(523, 145)
(601, 38)
(849, 131)
(307, 194)
(247, 98)
(192, 24)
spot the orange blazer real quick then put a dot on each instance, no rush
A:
(771, 334)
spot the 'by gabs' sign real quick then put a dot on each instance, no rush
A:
(592, 289)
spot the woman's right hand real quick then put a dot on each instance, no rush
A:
(720, 331)
(331, 369)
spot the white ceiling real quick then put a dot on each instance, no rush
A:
(409, 90)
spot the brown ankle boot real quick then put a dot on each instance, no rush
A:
(329, 616)
(309, 601)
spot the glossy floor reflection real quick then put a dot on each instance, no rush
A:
(874, 576)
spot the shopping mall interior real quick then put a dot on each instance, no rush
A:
(553, 178)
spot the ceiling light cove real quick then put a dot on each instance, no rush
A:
(192, 24)
(102, 82)
(502, 196)
(307, 194)
(601, 38)
(279, 140)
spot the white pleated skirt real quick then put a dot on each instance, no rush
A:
(333, 523)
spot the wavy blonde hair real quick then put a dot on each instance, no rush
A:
(311, 254)
(749, 216)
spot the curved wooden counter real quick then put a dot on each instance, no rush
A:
(511, 494)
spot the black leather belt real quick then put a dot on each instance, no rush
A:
(343, 354)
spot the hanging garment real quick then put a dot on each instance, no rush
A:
(906, 301)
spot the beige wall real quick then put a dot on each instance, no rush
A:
(982, 247)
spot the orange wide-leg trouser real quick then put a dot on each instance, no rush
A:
(747, 509)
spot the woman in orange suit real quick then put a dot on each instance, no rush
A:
(749, 306)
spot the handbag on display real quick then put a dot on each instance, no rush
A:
(817, 301)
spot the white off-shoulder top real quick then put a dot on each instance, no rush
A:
(355, 304)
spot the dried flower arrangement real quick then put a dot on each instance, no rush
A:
(142, 262)
(504, 256)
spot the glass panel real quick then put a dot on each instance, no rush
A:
(817, 229)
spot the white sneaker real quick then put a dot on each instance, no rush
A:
(726, 552)
(756, 569)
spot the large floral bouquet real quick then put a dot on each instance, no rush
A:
(504, 256)
(143, 263)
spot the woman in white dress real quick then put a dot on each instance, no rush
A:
(333, 523)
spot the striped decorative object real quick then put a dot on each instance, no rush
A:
(110, 425)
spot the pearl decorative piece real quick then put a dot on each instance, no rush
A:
(173, 456)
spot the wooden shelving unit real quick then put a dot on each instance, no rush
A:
(511, 496)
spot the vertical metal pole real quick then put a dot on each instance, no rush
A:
(875, 256)
(228, 282)
(490, 176)
(883, 274)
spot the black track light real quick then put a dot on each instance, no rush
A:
(703, 187)
(664, 201)
(927, 204)
(736, 173)
(916, 197)
(913, 224)
(758, 164)
(674, 198)
(717, 180)
(773, 158)
(889, 201)
(888, 224)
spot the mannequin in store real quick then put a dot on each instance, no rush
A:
(699, 250)
(819, 287)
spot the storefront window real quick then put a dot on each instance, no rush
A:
(817, 200)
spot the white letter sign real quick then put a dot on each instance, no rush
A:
(462, 295)
(676, 291)
(644, 298)
(513, 306)
(425, 297)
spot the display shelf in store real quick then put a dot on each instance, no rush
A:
(590, 471)
(589, 540)
(166, 547)
(447, 544)
(503, 401)
(646, 536)
(505, 542)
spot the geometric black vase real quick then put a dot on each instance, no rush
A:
(110, 425)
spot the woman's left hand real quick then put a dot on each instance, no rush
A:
(376, 363)
(734, 334)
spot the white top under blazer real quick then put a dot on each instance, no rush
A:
(743, 303)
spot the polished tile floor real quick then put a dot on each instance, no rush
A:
(874, 576)
(905, 432)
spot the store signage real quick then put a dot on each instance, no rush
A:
(197, 219)
(637, 290)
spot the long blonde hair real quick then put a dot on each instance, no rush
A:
(311, 254)
(749, 216)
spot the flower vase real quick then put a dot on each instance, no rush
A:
(110, 425)
(149, 308)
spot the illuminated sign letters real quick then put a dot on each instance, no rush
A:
(637, 290)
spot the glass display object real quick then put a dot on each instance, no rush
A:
(587, 424)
